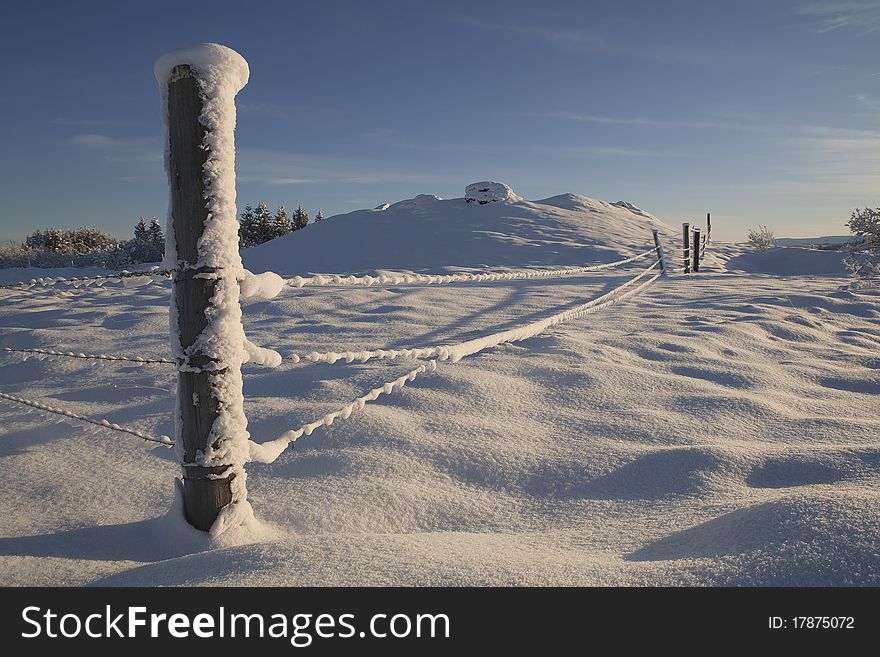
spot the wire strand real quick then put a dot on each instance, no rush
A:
(397, 278)
(71, 354)
(269, 451)
(104, 424)
(84, 280)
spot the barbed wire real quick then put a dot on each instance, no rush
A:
(268, 451)
(441, 352)
(104, 424)
(397, 278)
(71, 354)
(84, 280)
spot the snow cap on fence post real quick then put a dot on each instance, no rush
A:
(198, 87)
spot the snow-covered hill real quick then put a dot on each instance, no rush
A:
(428, 234)
(718, 428)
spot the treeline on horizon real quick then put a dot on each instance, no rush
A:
(88, 246)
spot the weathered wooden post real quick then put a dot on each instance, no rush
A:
(696, 249)
(708, 226)
(198, 87)
(686, 246)
(659, 248)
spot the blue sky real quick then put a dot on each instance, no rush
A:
(760, 112)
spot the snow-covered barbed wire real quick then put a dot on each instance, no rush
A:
(104, 424)
(397, 278)
(80, 281)
(451, 352)
(256, 356)
(72, 354)
(268, 451)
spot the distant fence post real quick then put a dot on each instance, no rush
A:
(208, 382)
(708, 226)
(696, 249)
(659, 249)
(686, 246)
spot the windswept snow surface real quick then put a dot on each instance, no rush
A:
(716, 429)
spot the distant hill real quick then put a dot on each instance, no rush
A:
(428, 234)
(810, 241)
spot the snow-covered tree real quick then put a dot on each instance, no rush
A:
(263, 223)
(78, 241)
(140, 229)
(319, 216)
(866, 223)
(247, 229)
(761, 238)
(863, 255)
(281, 223)
(156, 235)
(300, 218)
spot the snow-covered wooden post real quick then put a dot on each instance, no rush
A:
(697, 247)
(659, 248)
(686, 246)
(198, 88)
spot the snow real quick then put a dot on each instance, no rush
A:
(718, 428)
(221, 73)
(789, 261)
(490, 192)
(261, 286)
(813, 241)
(426, 234)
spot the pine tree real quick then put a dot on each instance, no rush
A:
(247, 228)
(300, 218)
(156, 235)
(262, 223)
(281, 223)
(140, 230)
(319, 216)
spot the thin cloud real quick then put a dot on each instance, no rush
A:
(291, 181)
(860, 15)
(93, 140)
(866, 101)
(643, 121)
(614, 151)
(834, 161)
(120, 149)
(582, 40)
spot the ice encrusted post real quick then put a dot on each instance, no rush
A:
(198, 88)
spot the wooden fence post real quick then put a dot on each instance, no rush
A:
(206, 489)
(696, 249)
(659, 249)
(708, 226)
(686, 246)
